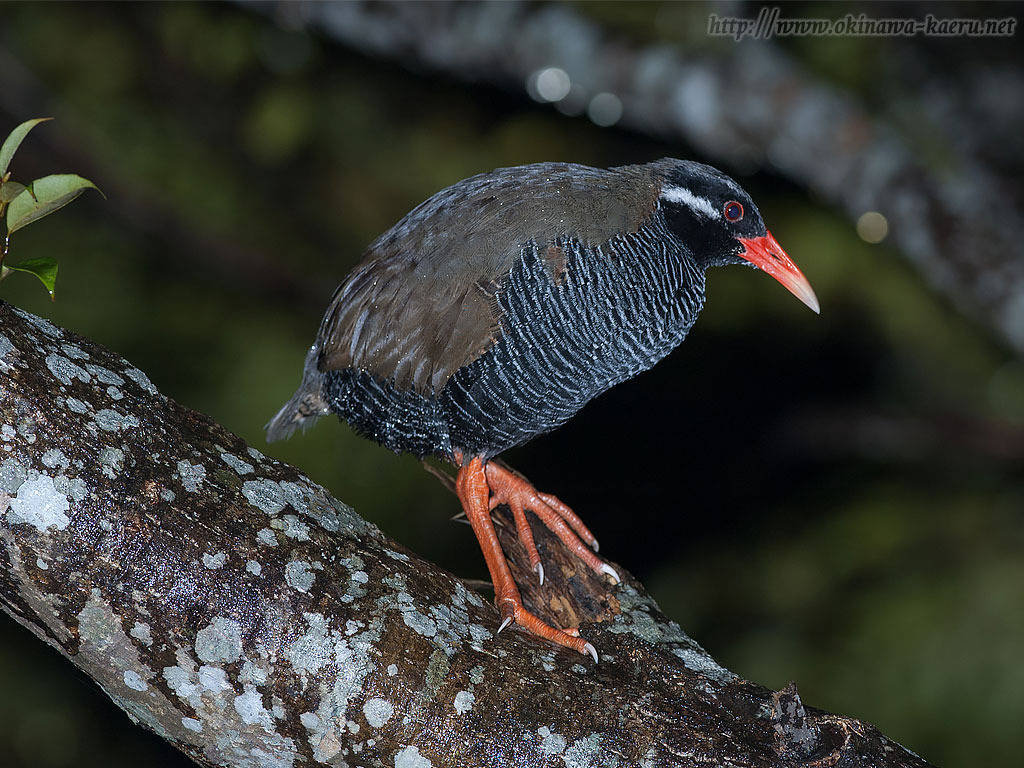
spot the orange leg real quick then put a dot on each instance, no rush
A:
(519, 494)
(473, 491)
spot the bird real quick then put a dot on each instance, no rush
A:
(495, 310)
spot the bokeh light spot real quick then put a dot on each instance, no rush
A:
(605, 109)
(552, 84)
(872, 227)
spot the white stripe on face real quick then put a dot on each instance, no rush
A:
(696, 203)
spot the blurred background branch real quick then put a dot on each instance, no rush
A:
(948, 184)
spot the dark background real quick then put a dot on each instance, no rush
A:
(834, 500)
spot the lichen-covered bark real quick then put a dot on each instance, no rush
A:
(229, 604)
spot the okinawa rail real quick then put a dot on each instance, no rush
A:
(496, 309)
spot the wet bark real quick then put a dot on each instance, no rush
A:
(232, 606)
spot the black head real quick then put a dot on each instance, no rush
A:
(719, 224)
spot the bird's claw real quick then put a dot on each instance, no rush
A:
(607, 570)
(569, 638)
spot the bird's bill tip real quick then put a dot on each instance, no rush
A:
(765, 253)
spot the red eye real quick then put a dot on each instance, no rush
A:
(733, 211)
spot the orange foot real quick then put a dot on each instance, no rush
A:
(518, 493)
(474, 485)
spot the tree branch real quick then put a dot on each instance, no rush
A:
(232, 606)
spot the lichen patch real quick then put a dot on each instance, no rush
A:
(134, 681)
(75, 488)
(111, 461)
(550, 743)
(192, 475)
(66, 371)
(378, 712)
(7, 354)
(215, 561)
(12, 475)
(180, 682)
(110, 420)
(40, 504)
(55, 458)
(422, 624)
(241, 467)
(267, 537)
(74, 351)
(249, 706)
(266, 495)
(76, 405)
(299, 575)
(141, 632)
(294, 528)
(587, 753)
(40, 324)
(103, 375)
(313, 650)
(141, 379)
(97, 624)
(219, 641)
(464, 701)
(410, 757)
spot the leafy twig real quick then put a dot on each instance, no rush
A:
(26, 203)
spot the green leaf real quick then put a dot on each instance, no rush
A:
(9, 191)
(45, 269)
(13, 141)
(44, 196)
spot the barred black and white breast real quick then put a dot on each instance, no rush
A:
(500, 306)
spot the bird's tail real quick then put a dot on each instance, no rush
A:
(305, 406)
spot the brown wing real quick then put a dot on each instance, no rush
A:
(423, 303)
(399, 322)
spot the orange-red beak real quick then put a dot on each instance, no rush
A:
(766, 254)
